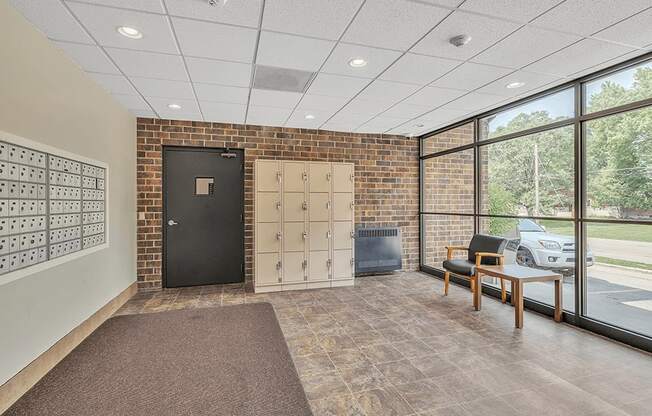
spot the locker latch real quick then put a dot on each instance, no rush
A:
(328, 205)
(304, 264)
(305, 235)
(352, 261)
(328, 263)
(278, 177)
(305, 176)
(328, 176)
(352, 205)
(352, 176)
(352, 234)
(278, 265)
(278, 236)
(328, 235)
(278, 205)
(304, 205)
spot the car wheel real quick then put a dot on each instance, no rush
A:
(524, 258)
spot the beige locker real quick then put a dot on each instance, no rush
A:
(319, 236)
(294, 174)
(268, 269)
(268, 176)
(342, 177)
(268, 237)
(294, 207)
(319, 207)
(294, 267)
(342, 207)
(342, 264)
(319, 266)
(294, 234)
(319, 177)
(268, 207)
(342, 235)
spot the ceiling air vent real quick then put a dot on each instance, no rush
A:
(281, 79)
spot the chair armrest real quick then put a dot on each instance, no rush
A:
(479, 255)
(451, 249)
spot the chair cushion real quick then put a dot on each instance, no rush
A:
(460, 266)
(487, 244)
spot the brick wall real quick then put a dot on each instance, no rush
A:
(386, 187)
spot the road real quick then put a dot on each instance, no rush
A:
(638, 251)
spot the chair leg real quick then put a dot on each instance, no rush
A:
(446, 279)
(503, 292)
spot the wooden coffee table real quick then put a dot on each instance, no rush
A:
(518, 276)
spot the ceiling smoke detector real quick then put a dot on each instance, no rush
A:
(460, 40)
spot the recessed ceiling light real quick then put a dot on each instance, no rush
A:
(130, 32)
(419, 125)
(310, 117)
(460, 40)
(357, 62)
(516, 84)
(174, 106)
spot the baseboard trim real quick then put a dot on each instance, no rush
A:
(19, 384)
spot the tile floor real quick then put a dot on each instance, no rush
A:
(393, 345)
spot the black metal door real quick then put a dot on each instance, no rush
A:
(203, 216)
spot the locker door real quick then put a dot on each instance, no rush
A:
(268, 207)
(319, 177)
(293, 235)
(293, 267)
(268, 176)
(319, 236)
(267, 272)
(342, 235)
(293, 207)
(267, 237)
(319, 207)
(342, 267)
(342, 207)
(318, 266)
(342, 177)
(293, 176)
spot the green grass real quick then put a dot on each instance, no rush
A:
(626, 263)
(628, 232)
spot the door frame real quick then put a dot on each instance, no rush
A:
(164, 151)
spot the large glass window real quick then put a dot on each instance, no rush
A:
(620, 88)
(540, 112)
(456, 137)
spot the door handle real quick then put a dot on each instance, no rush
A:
(305, 235)
(172, 222)
(278, 205)
(278, 236)
(328, 205)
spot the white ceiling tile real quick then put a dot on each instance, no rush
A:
(387, 92)
(350, 117)
(150, 87)
(52, 18)
(154, 6)
(532, 81)
(219, 72)
(181, 115)
(380, 124)
(474, 101)
(321, 102)
(402, 110)
(298, 118)
(377, 60)
(339, 127)
(278, 99)
(470, 76)
(440, 115)
(223, 112)
(359, 108)
(433, 96)
(584, 54)
(267, 116)
(336, 85)
(484, 32)
(586, 17)
(418, 69)
(144, 113)
(161, 105)
(393, 24)
(149, 64)
(635, 31)
(318, 18)
(245, 13)
(519, 10)
(606, 64)
(89, 57)
(288, 51)
(115, 84)
(102, 22)
(221, 94)
(519, 49)
(445, 3)
(213, 40)
(131, 102)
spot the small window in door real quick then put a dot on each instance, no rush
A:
(204, 186)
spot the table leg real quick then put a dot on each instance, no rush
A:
(518, 307)
(558, 299)
(477, 295)
(513, 297)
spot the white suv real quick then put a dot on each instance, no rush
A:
(541, 249)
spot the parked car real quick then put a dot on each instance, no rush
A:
(540, 249)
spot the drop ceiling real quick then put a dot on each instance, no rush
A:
(203, 58)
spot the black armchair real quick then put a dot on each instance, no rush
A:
(483, 249)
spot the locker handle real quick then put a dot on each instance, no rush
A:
(328, 176)
(352, 205)
(352, 234)
(328, 234)
(305, 235)
(278, 177)
(304, 205)
(278, 265)
(329, 262)
(352, 176)
(328, 205)
(352, 261)
(278, 205)
(304, 264)
(278, 235)
(304, 175)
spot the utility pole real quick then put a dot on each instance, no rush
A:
(536, 179)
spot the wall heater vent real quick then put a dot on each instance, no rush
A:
(378, 250)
